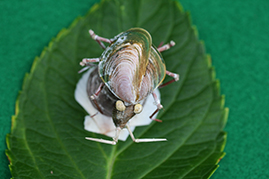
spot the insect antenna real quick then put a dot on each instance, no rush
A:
(142, 140)
(113, 142)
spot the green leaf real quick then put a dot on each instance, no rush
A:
(47, 135)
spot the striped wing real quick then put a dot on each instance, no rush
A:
(130, 62)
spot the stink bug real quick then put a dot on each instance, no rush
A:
(128, 71)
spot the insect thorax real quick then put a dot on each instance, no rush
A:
(105, 100)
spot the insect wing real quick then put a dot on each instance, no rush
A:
(124, 63)
(157, 67)
(155, 73)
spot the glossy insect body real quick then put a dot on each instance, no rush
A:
(106, 100)
(129, 70)
(131, 67)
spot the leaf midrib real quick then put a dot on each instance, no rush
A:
(111, 161)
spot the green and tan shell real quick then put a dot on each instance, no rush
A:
(131, 67)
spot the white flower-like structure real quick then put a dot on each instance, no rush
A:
(102, 124)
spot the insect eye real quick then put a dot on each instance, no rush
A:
(120, 105)
(138, 108)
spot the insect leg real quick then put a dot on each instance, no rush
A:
(88, 61)
(159, 106)
(118, 129)
(94, 114)
(84, 69)
(113, 142)
(174, 75)
(166, 46)
(161, 44)
(142, 140)
(95, 95)
(97, 91)
(98, 39)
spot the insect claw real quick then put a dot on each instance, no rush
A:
(92, 34)
(159, 106)
(82, 64)
(172, 43)
(93, 97)
(85, 61)
(174, 75)
(177, 77)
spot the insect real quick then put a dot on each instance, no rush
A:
(128, 71)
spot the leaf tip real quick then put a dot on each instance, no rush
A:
(179, 6)
(225, 115)
(94, 8)
(209, 60)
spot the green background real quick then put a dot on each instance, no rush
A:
(236, 34)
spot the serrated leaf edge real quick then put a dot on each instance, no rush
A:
(62, 33)
(28, 77)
